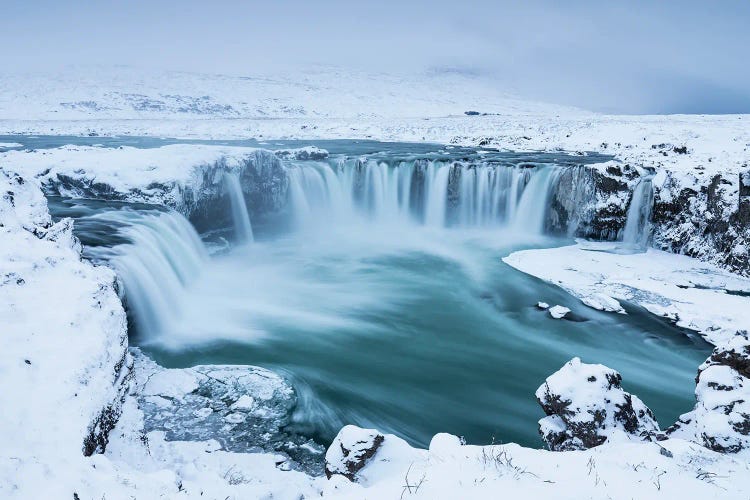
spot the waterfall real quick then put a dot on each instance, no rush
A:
(637, 229)
(240, 217)
(531, 212)
(163, 256)
(437, 194)
(440, 194)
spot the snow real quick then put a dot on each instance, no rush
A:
(126, 167)
(5, 145)
(691, 293)
(621, 470)
(64, 355)
(123, 93)
(558, 312)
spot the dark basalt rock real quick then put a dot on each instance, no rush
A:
(97, 437)
(575, 208)
(581, 418)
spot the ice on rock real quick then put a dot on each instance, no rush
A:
(558, 312)
(586, 406)
(542, 305)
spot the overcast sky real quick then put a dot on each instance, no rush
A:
(623, 56)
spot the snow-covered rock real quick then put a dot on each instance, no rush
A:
(350, 451)
(586, 405)
(306, 153)
(558, 311)
(542, 305)
(721, 417)
(603, 302)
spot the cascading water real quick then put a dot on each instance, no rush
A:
(532, 208)
(637, 229)
(241, 219)
(164, 254)
(437, 193)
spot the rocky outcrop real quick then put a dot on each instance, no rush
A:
(590, 202)
(201, 195)
(704, 218)
(52, 298)
(351, 450)
(586, 405)
(721, 417)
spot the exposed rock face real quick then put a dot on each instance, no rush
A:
(721, 417)
(590, 203)
(585, 406)
(706, 219)
(203, 197)
(350, 451)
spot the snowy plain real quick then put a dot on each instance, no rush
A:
(62, 314)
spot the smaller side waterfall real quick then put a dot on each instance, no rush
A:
(637, 229)
(240, 217)
(164, 254)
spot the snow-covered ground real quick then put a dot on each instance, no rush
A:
(65, 367)
(695, 295)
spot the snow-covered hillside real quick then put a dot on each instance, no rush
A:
(123, 93)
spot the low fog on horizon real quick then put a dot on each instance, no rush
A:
(625, 57)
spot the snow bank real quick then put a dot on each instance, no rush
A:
(622, 470)
(64, 358)
(125, 168)
(694, 294)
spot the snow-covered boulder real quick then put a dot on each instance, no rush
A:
(350, 451)
(603, 302)
(586, 405)
(558, 312)
(721, 417)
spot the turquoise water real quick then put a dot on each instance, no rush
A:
(417, 333)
